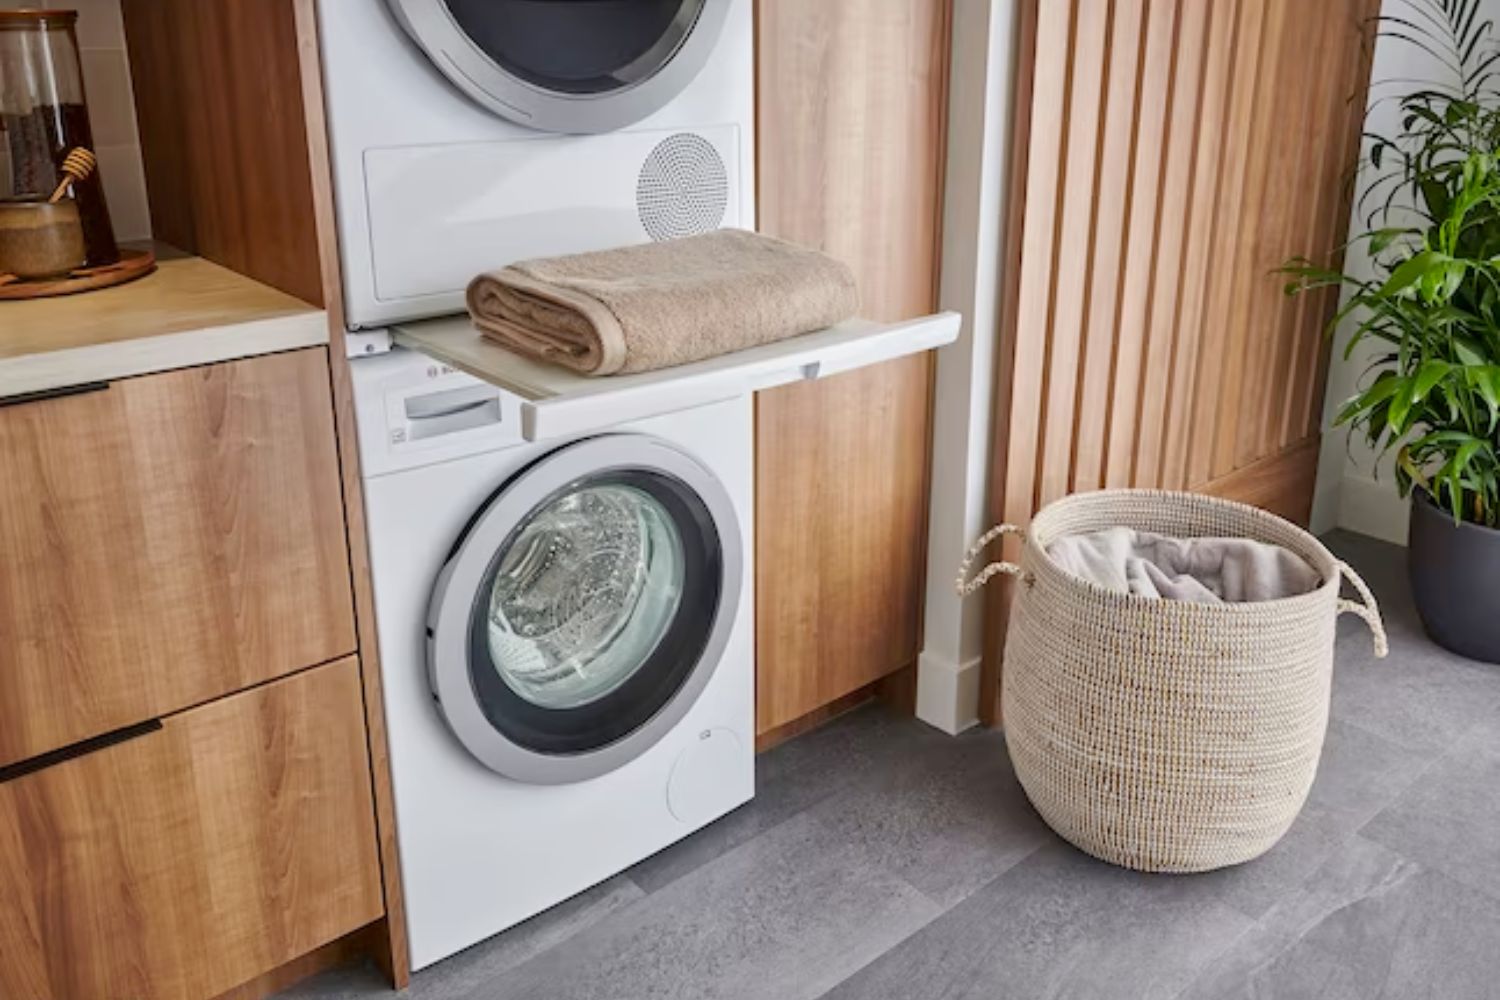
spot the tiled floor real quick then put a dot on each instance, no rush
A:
(881, 859)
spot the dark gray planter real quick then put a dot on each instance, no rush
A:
(1455, 579)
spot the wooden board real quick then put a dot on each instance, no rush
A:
(1282, 483)
(1170, 155)
(344, 951)
(184, 295)
(824, 714)
(188, 860)
(218, 95)
(132, 264)
(851, 117)
(168, 540)
(389, 940)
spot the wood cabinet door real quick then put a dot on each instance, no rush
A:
(195, 856)
(165, 541)
(851, 120)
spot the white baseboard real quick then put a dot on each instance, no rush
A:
(948, 693)
(1373, 508)
(1325, 507)
(1333, 466)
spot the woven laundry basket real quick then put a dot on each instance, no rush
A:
(1164, 735)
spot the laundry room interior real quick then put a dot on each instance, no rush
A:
(748, 499)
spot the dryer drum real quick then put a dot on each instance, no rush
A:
(585, 608)
(567, 65)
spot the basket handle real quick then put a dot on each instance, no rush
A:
(964, 587)
(1366, 608)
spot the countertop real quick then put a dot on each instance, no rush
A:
(189, 312)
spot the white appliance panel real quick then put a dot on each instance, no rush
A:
(440, 214)
(378, 82)
(479, 852)
(384, 95)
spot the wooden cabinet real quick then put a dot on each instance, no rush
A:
(164, 541)
(185, 860)
(181, 561)
(851, 124)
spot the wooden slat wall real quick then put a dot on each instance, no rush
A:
(851, 111)
(1172, 153)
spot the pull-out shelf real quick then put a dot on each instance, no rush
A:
(558, 402)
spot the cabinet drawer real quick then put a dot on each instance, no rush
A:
(165, 541)
(191, 858)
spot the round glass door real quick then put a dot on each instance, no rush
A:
(567, 65)
(583, 593)
(585, 608)
(577, 46)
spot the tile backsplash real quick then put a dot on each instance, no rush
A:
(106, 78)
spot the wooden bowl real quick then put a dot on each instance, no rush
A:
(39, 239)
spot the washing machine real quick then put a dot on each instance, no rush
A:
(466, 134)
(566, 640)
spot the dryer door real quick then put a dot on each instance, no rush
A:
(567, 65)
(585, 608)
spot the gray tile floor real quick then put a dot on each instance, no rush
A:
(881, 859)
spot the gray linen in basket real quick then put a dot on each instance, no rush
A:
(1200, 570)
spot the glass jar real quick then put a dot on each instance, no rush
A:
(44, 115)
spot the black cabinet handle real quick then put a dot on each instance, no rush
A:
(30, 765)
(58, 393)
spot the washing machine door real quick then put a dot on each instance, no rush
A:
(567, 65)
(585, 608)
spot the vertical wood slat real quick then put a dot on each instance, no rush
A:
(1285, 136)
(1173, 154)
(997, 598)
(1310, 407)
(1113, 187)
(1334, 198)
(1075, 226)
(1217, 318)
(1034, 294)
(1197, 263)
(1173, 223)
(1243, 278)
(1295, 182)
(1302, 230)
(1140, 255)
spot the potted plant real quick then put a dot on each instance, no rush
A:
(1432, 305)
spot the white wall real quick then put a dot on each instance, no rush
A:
(106, 80)
(979, 123)
(1354, 491)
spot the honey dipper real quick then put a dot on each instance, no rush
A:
(77, 165)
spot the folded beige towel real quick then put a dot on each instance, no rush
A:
(1201, 570)
(660, 304)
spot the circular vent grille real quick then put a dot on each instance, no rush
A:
(683, 188)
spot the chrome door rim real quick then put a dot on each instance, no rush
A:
(472, 70)
(464, 574)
